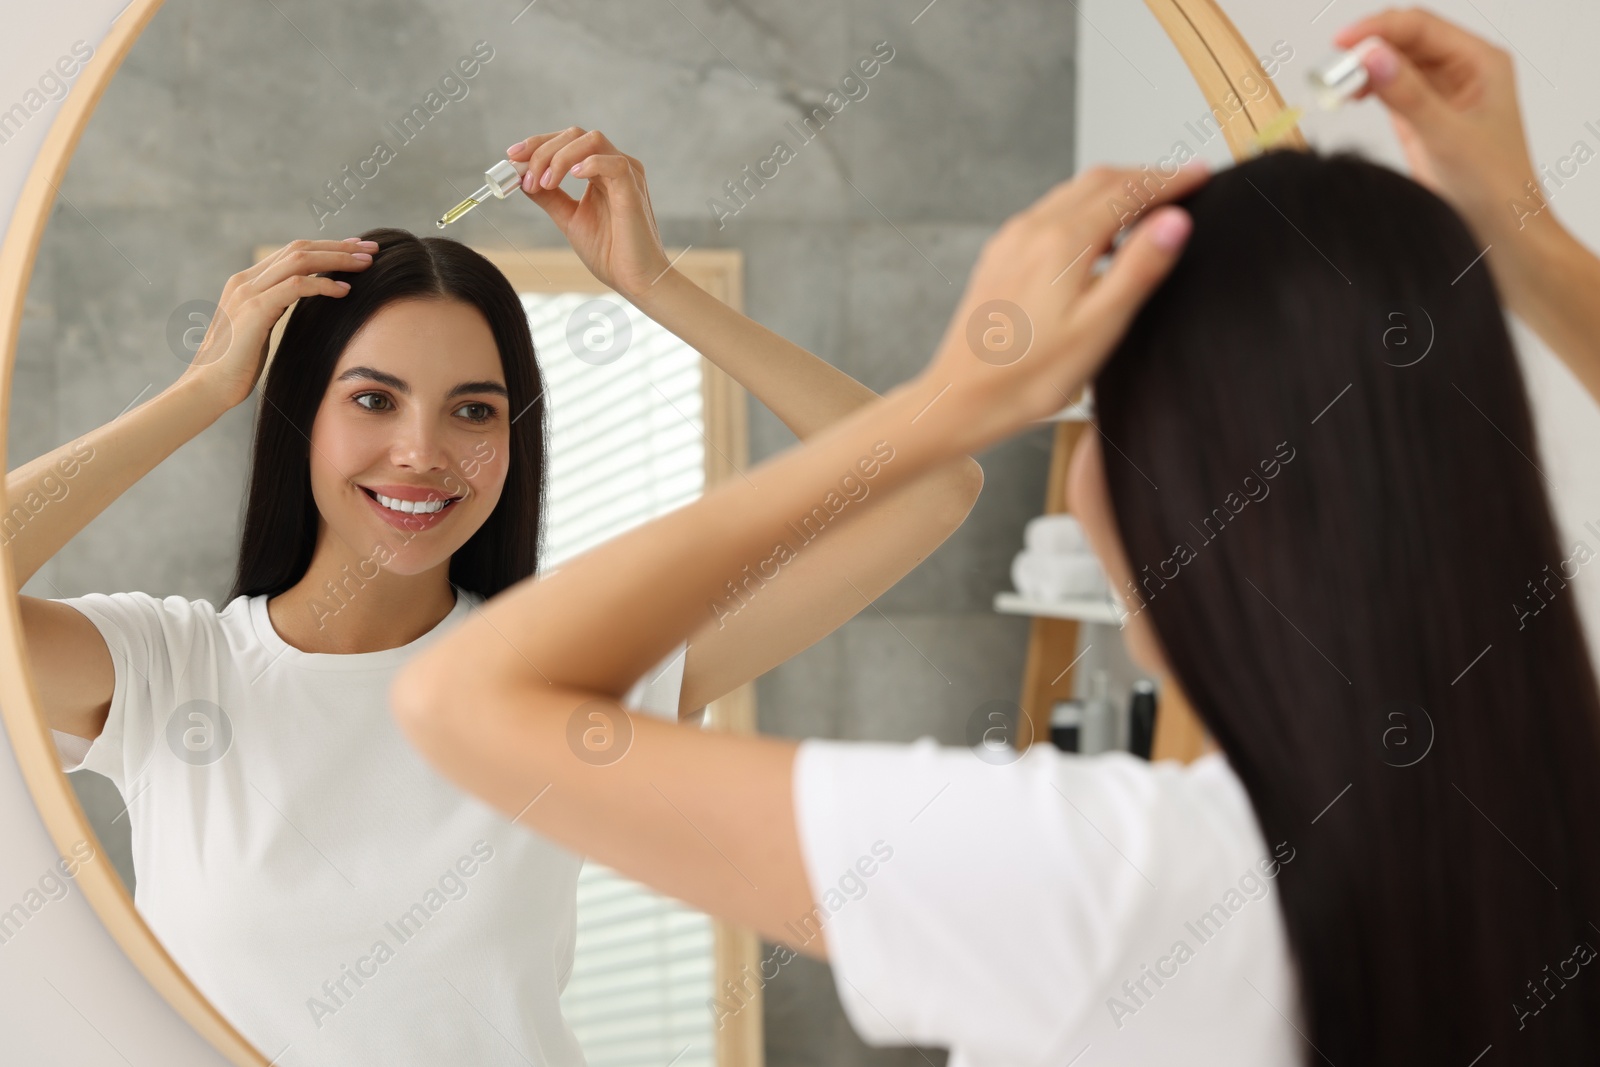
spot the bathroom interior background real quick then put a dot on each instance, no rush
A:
(224, 124)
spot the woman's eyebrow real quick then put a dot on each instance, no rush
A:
(479, 387)
(381, 377)
(399, 385)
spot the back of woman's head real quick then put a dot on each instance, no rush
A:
(1326, 479)
(280, 523)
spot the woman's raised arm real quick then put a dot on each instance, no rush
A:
(1452, 97)
(819, 588)
(50, 499)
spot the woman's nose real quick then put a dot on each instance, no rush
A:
(419, 446)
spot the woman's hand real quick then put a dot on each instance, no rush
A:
(612, 228)
(1452, 97)
(1035, 322)
(230, 359)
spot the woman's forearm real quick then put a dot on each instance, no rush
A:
(50, 499)
(806, 392)
(834, 577)
(683, 561)
(1552, 282)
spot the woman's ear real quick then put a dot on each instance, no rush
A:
(1089, 501)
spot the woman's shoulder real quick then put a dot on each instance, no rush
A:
(1191, 817)
(169, 619)
(1040, 767)
(991, 900)
(137, 605)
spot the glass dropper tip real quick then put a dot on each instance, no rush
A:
(456, 212)
(465, 206)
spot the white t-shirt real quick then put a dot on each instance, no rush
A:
(998, 909)
(329, 892)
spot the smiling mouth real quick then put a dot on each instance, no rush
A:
(410, 507)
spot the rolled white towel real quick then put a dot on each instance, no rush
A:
(1051, 576)
(1054, 533)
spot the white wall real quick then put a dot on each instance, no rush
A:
(1135, 95)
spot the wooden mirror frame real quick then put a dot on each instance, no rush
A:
(1210, 45)
(35, 750)
(1221, 62)
(1216, 54)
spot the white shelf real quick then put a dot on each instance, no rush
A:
(1075, 413)
(1096, 611)
(1082, 411)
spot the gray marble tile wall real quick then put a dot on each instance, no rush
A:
(227, 119)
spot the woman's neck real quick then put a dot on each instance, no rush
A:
(347, 606)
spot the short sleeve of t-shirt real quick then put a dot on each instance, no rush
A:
(146, 636)
(994, 908)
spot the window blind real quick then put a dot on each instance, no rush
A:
(626, 440)
(626, 445)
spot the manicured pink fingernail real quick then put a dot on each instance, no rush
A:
(1168, 228)
(544, 179)
(1382, 63)
(513, 148)
(527, 181)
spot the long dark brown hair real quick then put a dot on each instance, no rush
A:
(280, 520)
(1378, 632)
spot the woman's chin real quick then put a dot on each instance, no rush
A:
(400, 553)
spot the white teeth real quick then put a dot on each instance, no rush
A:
(411, 507)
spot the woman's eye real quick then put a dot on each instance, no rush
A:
(477, 411)
(379, 398)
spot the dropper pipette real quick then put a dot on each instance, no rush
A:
(499, 181)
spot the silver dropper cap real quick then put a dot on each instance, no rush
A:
(1337, 81)
(503, 178)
